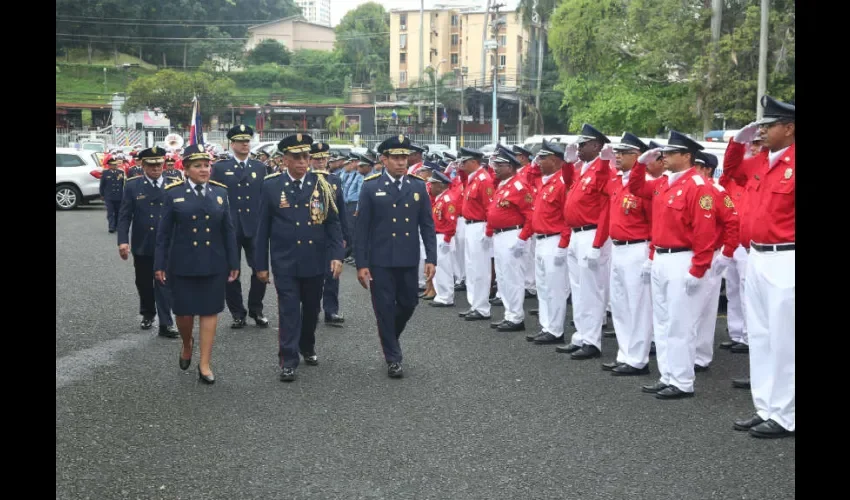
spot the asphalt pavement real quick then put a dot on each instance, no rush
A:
(479, 414)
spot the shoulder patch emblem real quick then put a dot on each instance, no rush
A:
(489, 191)
(728, 202)
(529, 198)
(706, 202)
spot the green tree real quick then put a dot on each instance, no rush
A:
(172, 91)
(363, 32)
(336, 122)
(269, 51)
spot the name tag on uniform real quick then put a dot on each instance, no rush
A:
(228, 173)
(178, 200)
(380, 193)
(140, 197)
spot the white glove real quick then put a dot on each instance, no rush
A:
(560, 257)
(445, 248)
(646, 271)
(650, 155)
(518, 248)
(747, 134)
(571, 153)
(607, 153)
(692, 284)
(720, 264)
(592, 258)
(486, 241)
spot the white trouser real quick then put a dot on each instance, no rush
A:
(477, 261)
(707, 321)
(422, 280)
(510, 272)
(631, 304)
(444, 282)
(529, 265)
(675, 316)
(771, 302)
(459, 255)
(551, 283)
(589, 287)
(735, 303)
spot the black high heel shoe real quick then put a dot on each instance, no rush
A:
(184, 363)
(205, 379)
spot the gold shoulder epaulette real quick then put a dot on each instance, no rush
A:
(177, 183)
(134, 177)
(416, 176)
(270, 176)
(373, 176)
(218, 184)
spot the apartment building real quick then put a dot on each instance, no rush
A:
(456, 37)
(316, 11)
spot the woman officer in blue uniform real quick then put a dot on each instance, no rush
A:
(196, 253)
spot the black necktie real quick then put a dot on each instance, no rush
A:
(398, 185)
(200, 189)
(298, 186)
(241, 164)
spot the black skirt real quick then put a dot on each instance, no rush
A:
(197, 295)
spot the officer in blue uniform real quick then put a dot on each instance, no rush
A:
(299, 226)
(136, 170)
(319, 155)
(171, 173)
(243, 177)
(112, 189)
(394, 210)
(141, 207)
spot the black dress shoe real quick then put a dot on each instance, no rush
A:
(334, 320)
(421, 289)
(260, 320)
(741, 383)
(747, 423)
(568, 349)
(586, 352)
(726, 344)
(507, 326)
(610, 366)
(673, 392)
(533, 312)
(529, 294)
(530, 337)
(287, 374)
(652, 349)
(547, 338)
(608, 332)
(460, 287)
(654, 388)
(207, 379)
(146, 324)
(699, 369)
(169, 331)
(440, 304)
(475, 316)
(394, 370)
(740, 349)
(625, 370)
(310, 358)
(770, 430)
(111, 230)
(496, 324)
(464, 313)
(184, 363)
(496, 301)
(238, 323)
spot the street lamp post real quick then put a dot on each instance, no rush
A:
(434, 70)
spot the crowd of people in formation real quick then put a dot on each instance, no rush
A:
(643, 233)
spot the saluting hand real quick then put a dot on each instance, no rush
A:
(234, 273)
(124, 251)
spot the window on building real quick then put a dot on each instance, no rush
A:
(402, 77)
(503, 60)
(402, 20)
(455, 39)
(503, 41)
(402, 57)
(454, 59)
(502, 80)
(402, 41)
(455, 20)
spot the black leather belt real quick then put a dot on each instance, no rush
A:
(497, 231)
(671, 250)
(629, 242)
(584, 228)
(542, 236)
(780, 247)
(470, 221)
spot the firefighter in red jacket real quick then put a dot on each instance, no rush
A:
(446, 209)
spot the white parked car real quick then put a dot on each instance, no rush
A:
(77, 177)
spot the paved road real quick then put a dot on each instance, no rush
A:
(479, 414)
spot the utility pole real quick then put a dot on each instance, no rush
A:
(762, 82)
(493, 44)
(484, 52)
(709, 104)
(421, 56)
(519, 101)
(463, 72)
(535, 20)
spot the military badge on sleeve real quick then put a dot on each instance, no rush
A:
(219, 200)
(728, 202)
(706, 202)
(415, 196)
